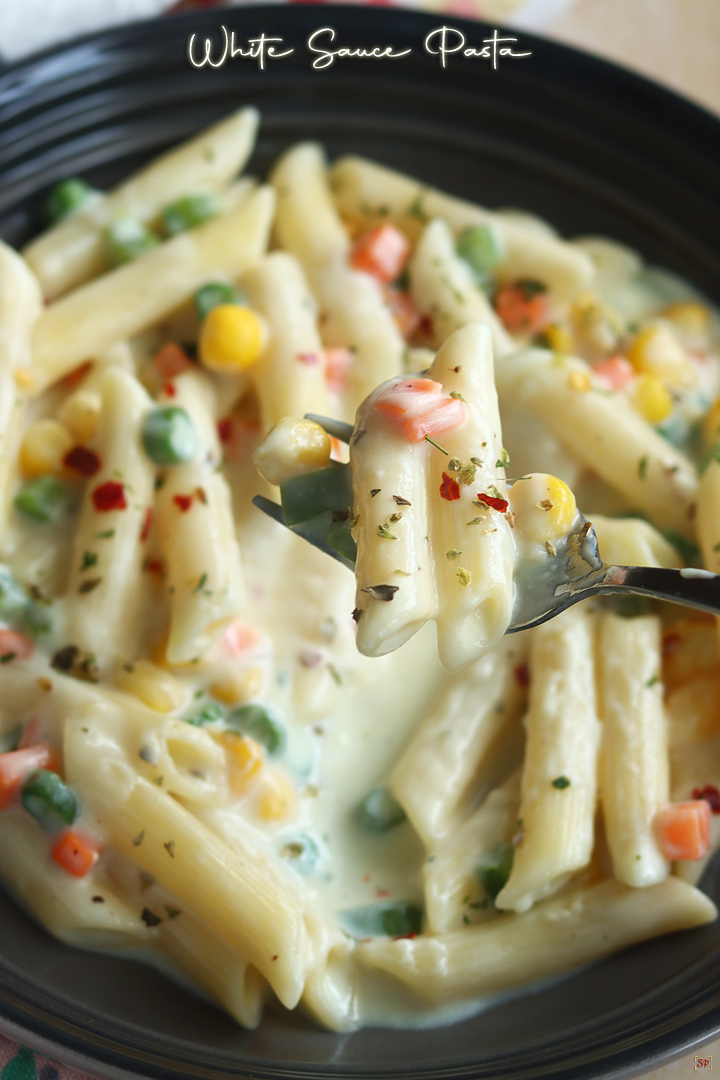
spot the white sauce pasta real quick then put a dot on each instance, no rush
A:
(196, 758)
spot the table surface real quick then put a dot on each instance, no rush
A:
(676, 42)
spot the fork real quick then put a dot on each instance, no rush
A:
(576, 572)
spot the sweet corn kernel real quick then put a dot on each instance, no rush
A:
(651, 399)
(24, 379)
(579, 381)
(690, 319)
(657, 351)
(277, 798)
(232, 687)
(595, 326)
(79, 413)
(231, 339)
(559, 339)
(156, 688)
(544, 507)
(43, 448)
(245, 758)
(293, 447)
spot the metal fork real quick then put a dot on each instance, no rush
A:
(576, 572)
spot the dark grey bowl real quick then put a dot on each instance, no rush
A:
(588, 146)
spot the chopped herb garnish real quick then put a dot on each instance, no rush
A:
(172, 912)
(89, 559)
(169, 846)
(384, 531)
(106, 535)
(452, 553)
(561, 782)
(357, 612)
(463, 576)
(381, 592)
(428, 439)
(466, 475)
(137, 840)
(642, 466)
(400, 501)
(494, 868)
(455, 464)
(7, 657)
(335, 674)
(550, 548)
(201, 583)
(89, 585)
(149, 918)
(159, 780)
(530, 288)
(415, 209)
(458, 396)
(374, 492)
(503, 462)
(651, 682)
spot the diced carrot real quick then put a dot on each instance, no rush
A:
(521, 311)
(338, 362)
(30, 735)
(381, 252)
(614, 372)
(16, 766)
(338, 450)
(172, 360)
(419, 409)
(14, 645)
(683, 829)
(76, 852)
(240, 638)
(403, 309)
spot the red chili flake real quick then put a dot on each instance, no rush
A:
(500, 505)
(382, 893)
(710, 794)
(426, 326)
(201, 495)
(401, 937)
(76, 375)
(310, 359)
(184, 502)
(670, 642)
(522, 676)
(147, 524)
(169, 389)
(109, 496)
(82, 460)
(224, 428)
(449, 489)
(154, 566)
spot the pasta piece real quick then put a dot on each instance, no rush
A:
(450, 872)
(353, 311)
(198, 535)
(634, 766)
(606, 434)
(20, 305)
(559, 780)
(73, 251)
(360, 185)
(554, 937)
(106, 575)
(290, 375)
(444, 290)
(451, 755)
(133, 297)
(632, 542)
(244, 899)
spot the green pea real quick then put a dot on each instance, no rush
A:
(188, 212)
(260, 724)
(207, 715)
(494, 868)
(481, 248)
(65, 197)
(49, 800)
(301, 852)
(42, 499)
(379, 811)
(387, 919)
(169, 436)
(126, 239)
(212, 295)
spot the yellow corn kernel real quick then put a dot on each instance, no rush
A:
(156, 688)
(24, 379)
(595, 326)
(231, 338)
(245, 758)
(232, 687)
(690, 319)
(43, 448)
(292, 448)
(651, 399)
(544, 507)
(79, 413)
(579, 381)
(657, 351)
(559, 339)
(711, 425)
(277, 798)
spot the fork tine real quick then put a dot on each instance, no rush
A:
(274, 511)
(337, 429)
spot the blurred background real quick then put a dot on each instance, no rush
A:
(674, 41)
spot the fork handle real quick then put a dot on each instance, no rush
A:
(689, 587)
